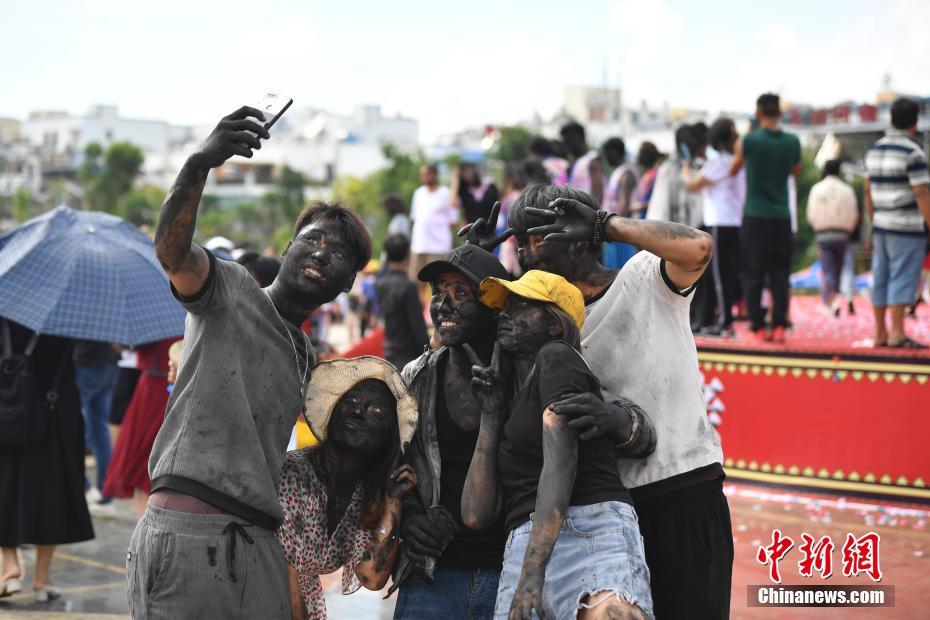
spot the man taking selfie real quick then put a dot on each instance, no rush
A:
(206, 545)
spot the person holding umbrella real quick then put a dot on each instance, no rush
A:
(206, 545)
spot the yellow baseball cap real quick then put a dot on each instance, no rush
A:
(537, 285)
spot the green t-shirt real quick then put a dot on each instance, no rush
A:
(770, 156)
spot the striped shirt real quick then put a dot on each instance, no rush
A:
(895, 164)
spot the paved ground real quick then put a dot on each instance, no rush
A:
(92, 576)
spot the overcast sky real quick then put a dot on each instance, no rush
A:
(449, 64)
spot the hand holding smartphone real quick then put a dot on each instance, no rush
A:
(272, 106)
(241, 132)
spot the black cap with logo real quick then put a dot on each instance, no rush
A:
(469, 260)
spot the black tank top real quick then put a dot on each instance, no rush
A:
(470, 549)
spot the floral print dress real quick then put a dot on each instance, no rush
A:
(307, 545)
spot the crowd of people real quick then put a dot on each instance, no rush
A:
(526, 457)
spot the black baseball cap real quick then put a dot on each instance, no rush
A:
(469, 260)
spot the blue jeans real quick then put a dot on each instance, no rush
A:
(897, 259)
(832, 255)
(848, 275)
(599, 548)
(95, 387)
(455, 594)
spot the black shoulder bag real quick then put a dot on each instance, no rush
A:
(23, 417)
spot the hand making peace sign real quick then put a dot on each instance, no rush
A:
(487, 382)
(481, 231)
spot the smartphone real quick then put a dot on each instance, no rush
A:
(685, 152)
(273, 106)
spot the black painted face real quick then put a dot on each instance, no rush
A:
(555, 257)
(364, 418)
(525, 326)
(319, 264)
(457, 314)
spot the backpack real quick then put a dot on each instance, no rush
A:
(23, 417)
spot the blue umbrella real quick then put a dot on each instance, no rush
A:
(87, 275)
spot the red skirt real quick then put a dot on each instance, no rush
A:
(129, 465)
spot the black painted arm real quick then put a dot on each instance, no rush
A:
(187, 264)
(560, 465)
(481, 497)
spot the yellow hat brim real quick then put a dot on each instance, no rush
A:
(494, 291)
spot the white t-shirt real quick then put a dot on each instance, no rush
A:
(638, 340)
(724, 197)
(433, 216)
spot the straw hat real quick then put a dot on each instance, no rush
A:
(331, 379)
(538, 285)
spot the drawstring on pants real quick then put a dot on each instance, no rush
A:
(231, 530)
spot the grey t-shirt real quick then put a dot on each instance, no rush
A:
(236, 399)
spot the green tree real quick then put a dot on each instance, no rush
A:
(107, 176)
(805, 250)
(208, 202)
(290, 186)
(92, 167)
(57, 193)
(400, 177)
(23, 205)
(141, 205)
(512, 145)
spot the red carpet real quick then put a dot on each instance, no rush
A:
(814, 333)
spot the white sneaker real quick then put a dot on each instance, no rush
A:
(92, 495)
(102, 511)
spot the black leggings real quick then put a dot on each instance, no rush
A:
(718, 287)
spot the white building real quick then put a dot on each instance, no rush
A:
(593, 104)
(317, 143)
(61, 137)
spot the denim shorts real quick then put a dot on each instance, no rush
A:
(598, 548)
(897, 260)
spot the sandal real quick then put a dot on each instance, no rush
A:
(46, 593)
(10, 587)
(908, 343)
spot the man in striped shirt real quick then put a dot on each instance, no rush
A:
(897, 201)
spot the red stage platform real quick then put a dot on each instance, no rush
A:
(825, 410)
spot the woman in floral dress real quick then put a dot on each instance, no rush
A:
(341, 498)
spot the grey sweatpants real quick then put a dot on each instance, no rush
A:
(183, 565)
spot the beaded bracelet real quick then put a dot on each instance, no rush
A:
(600, 222)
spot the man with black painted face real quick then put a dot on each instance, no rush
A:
(637, 339)
(464, 564)
(206, 546)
